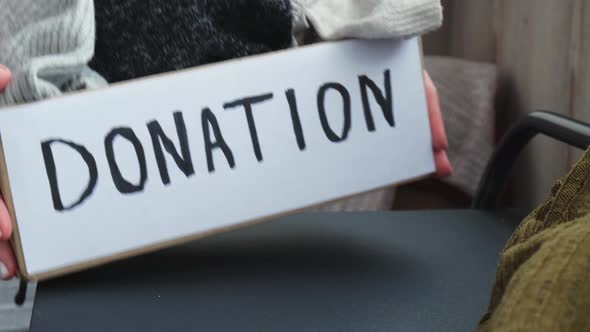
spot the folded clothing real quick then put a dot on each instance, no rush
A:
(138, 38)
(47, 45)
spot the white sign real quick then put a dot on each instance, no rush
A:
(105, 174)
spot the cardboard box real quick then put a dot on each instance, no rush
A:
(101, 175)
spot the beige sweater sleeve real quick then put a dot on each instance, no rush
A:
(369, 19)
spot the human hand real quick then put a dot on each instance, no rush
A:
(437, 127)
(7, 261)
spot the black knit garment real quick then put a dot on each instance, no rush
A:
(136, 38)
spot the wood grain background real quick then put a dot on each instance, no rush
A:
(542, 50)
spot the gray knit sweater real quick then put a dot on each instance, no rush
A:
(47, 45)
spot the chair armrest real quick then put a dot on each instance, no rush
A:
(561, 128)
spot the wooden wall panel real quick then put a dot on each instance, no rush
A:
(542, 48)
(472, 30)
(581, 68)
(467, 31)
(534, 39)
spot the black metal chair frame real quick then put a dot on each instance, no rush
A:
(561, 128)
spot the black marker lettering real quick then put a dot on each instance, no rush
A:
(332, 136)
(297, 129)
(247, 104)
(209, 119)
(52, 174)
(160, 139)
(124, 186)
(385, 102)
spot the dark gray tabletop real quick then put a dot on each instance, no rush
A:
(390, 271)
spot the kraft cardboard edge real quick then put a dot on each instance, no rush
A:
(16, 242)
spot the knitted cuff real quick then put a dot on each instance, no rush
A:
(371, 19)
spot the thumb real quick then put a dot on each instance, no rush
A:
(5, 77)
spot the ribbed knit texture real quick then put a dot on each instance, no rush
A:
(542, 278)
(136, 38)
(372, 19)
(46, 44)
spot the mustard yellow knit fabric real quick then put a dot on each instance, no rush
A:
(543, 278)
